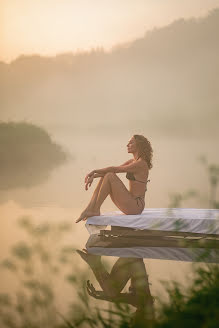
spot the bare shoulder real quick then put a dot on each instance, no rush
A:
(127, 162)
(143, 163)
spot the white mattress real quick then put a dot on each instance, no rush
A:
(161, 253)
(205, 221)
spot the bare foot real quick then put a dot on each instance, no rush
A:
(86, 214)
(91, 259)
(82, 216)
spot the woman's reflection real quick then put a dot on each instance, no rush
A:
(112, 284)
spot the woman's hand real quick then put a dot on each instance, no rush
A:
(88, 176)
(89, 181)
(92, 291)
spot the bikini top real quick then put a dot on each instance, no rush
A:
(130, 176)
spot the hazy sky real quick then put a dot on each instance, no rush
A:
(53, 26)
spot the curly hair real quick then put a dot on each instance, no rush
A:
(145, 149)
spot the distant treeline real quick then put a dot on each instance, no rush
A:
(166, 82)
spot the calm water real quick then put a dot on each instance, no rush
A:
(63, 197)
(132, 270)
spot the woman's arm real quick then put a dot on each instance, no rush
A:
(132, 167)
(104, 170)
(98, 175)
(127, 162)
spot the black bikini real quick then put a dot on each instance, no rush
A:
(130, 176)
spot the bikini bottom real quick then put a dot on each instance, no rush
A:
(140, 198)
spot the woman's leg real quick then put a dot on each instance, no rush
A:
(92, 201)
(111, 283)
(120, 195)
(104, 190)
(95, 194)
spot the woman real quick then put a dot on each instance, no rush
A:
(113, 283)
(130, 201)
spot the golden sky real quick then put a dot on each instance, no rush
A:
(48, 27)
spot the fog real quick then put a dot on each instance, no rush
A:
(166, 81)
(164, 86)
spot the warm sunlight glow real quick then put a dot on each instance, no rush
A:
(54, 26)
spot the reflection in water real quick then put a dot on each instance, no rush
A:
(181, 234)
(113, 283)
(175, 248)
(130, 266)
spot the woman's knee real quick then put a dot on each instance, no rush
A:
(110, 175)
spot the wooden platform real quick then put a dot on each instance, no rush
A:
(156, 238)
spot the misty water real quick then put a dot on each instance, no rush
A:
(163, 85)
(133, 255)
(63, 197)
